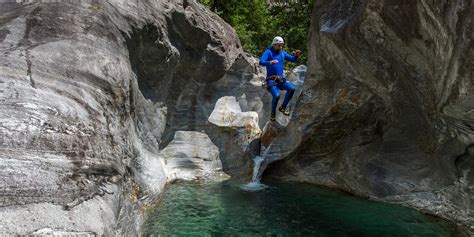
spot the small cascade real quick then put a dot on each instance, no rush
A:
(258, 169)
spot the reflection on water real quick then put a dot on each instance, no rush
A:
(282, 209)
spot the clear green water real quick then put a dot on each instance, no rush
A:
(283, 209)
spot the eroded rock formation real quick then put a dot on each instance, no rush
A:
(192, 155)
(92, 91)
(387, 107)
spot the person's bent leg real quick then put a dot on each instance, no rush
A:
(290, 90)
(275, 97)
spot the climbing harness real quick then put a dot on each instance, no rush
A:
(275, 78)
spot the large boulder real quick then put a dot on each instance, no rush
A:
(238, 133)
(227, 113)
(387, 110)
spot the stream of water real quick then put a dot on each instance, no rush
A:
(255, 184)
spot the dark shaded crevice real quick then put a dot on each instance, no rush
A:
(154, 64)
(151, 62)
(31, 22)
(3, 34)
(337, 15)
(465, 163)
(185, 4)
(28, 72)
(402, 17)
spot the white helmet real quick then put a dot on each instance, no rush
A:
(277, 40)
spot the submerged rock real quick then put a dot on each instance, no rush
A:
(386, 109)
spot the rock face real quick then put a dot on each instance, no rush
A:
(103, 102)
(91, 95)
(387, 107)
(192, 155)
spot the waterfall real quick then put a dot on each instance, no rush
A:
(258, 169)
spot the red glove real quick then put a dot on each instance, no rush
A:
(297, 52)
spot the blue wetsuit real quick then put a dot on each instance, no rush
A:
(274, 87)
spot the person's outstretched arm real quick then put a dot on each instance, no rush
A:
(291, 57)
(264, 59)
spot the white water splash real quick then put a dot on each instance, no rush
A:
(255, 184)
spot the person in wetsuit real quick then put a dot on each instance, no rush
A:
(273, 59)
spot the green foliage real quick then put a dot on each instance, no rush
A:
(258, 21)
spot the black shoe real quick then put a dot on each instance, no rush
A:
(272, 117)
(285, 111)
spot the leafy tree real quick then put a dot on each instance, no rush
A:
(258, 21)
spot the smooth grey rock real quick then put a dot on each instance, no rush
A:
(56, 232)
(386, 109)
(192, 155)
(227, 113)
(90, 91)
(25, 219)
